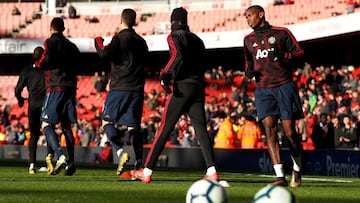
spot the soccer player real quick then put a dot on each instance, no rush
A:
(123, 106)
(59, 63)
(186, 68)
(270, 52)
(33, 79)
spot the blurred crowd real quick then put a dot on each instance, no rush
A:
(330, 97)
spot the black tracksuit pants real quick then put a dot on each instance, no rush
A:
(186, 98)
(34, 113)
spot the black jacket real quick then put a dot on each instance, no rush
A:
(187, 51)
(60, 62)
(31, 77)
(127, 53)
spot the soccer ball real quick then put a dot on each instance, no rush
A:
(274, 194)
(206, 191)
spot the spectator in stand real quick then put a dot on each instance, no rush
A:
(214, 76)
(93, 19)
(95, 78)
(152, 100)
(349, 82)
(4, 113)
(102, 137)
(15, 11)
(278, 2)
(328, 78)
(351, 5)
(323, 133)
(302, 129)
(331, 106)
(339, 78)
(20, 135)
(223, 98)
(342, 103)
(314, 86)
(72, 12)
(321, 102)
(357, 126)
(226, 137)
(100, 82)
(307, 72)
(355, 103)
(338, 125)
(270, 53)
(104, 157)
(348, 138)
(11, 134)
(88, 132)
(312, 99)
(249, 133)
(153, 125)
(2, 135)
(229, 78)
(220, 72)
(235, 93)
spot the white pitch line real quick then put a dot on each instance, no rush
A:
(317, 179)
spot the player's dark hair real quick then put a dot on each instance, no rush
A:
(256, 7)
(57, 24)
(38, 51)
(128, 16)
(179, 15)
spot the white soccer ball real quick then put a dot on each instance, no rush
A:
(206, 191)
(274, 194)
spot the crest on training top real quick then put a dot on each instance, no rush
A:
(272, 40)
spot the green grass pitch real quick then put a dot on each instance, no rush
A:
(169, 185)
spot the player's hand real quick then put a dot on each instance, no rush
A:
(21, 101)
(252, 74)
(99, 39)
(249, 73)
(165, 82)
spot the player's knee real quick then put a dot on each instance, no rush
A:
(104, 123)
(44, 125)
(124, 128)
(131, 129)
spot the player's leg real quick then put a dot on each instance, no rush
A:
(131, 114)
(53, 141)
(69, 119)
(137, 142)
(295, 151)
(49, 117)
(70, 147)
(271, 127)
(173, 110)
(115, 101)
(45, 116)
(198, 120)
(49, 160)
(34, 112)
(291, 109)
(267, 111)
(114, 137)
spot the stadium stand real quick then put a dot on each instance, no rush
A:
(15, 23)
(203, 17)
